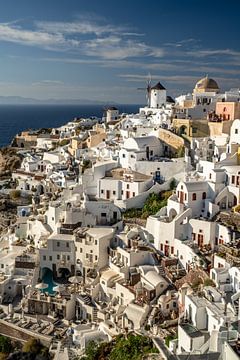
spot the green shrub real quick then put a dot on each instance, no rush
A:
(15, 194)
(64, 142)
(132, 347)
(153, 204)
(5, 345)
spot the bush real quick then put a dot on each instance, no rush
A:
(5, 345)
(173, 184)
(15, 194)
(86, 165)
(153, 204)
(237, 208)
(34, 346)
(209, 282)
(169, 338)
(64, 142)
(132, 347)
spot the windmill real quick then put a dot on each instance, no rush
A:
(148, 90)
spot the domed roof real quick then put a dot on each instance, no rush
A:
(207, 83)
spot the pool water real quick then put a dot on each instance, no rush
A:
(47, 278)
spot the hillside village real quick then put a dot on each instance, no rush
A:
(127, 224)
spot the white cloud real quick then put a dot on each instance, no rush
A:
(187, 81)
(79, 27)
(48, 83)
(103, 41)
(213, 52)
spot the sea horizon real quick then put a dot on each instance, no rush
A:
(15, 118)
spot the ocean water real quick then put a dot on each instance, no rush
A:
(15, 118)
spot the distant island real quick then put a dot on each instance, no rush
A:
(19, 100)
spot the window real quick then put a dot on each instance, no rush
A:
(236, 131)
(122, 192)
(204, 195)
(68, 257)
(102, 191)
(103, 214)
(80, 250)
(123, 155)
(96, 257)
(67, 244)
(58, 244)
(50, 258)
(193, 236)
(44, 258)
(127, 186)
(233, 179)
(114, 192)
(133, 194)
(194, 196)
(95, 242)
(210, 176)
(58, 257)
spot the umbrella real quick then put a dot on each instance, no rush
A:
(75, 279)
(58, 288)
(41, 286)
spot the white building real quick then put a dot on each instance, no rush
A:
(122, 184)
(58, 255)
(92, 247)
(139, 148)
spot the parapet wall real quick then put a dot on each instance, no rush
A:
(170, 139)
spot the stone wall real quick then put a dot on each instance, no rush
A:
(171, 139)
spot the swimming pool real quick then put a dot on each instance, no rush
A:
(47, 277)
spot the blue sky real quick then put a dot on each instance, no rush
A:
(104, 50)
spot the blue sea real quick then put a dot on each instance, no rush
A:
(15, 118)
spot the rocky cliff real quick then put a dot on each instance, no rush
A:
(9, 161)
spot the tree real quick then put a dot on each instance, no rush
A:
(5, 345)
(172, 184)
(34, 346)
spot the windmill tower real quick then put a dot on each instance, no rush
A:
(158, 96)
(148, 90)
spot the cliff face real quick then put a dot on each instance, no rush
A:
(9, 161)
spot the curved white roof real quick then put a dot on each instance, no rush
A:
(138, 143)
(154, 278)
(193, 185)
